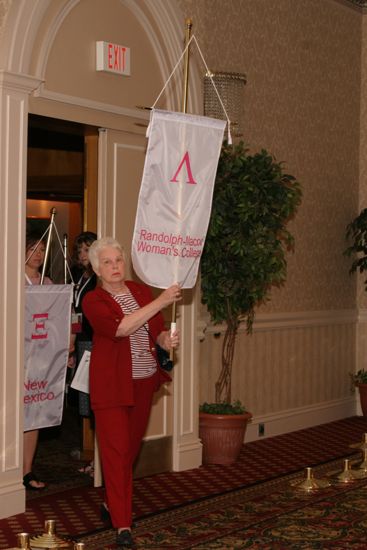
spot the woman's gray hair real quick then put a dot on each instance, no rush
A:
(98, 245)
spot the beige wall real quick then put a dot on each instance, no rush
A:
(302, 102)
(63, 55)
(70, 67)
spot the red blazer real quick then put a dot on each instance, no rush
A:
(111, 383)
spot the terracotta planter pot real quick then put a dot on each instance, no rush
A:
(222, 436)
(363, 397)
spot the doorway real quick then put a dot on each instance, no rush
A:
(62, 168)
(62, 173)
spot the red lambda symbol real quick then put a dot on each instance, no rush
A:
(185, 160)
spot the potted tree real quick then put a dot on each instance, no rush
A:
(243, 257)
(356, 232)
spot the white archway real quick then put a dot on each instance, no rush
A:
(21, 35)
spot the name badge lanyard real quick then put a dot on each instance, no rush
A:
(78, 293)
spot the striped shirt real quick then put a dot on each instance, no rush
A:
(143, 362)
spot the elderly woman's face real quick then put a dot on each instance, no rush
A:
(111, 265)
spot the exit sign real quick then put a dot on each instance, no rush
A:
(112, 58)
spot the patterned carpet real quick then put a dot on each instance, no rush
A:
(270, 516)
(246, 505)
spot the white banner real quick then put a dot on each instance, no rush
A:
(47, 336)
(175, 197)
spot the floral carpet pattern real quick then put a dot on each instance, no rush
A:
(273, 515)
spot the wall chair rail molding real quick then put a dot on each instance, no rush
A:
(290, 320)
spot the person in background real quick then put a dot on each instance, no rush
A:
(85, 280)
(35, 255)
(124, 371)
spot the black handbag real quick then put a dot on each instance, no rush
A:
(164, 358)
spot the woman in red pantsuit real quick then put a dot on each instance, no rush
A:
(124, 372)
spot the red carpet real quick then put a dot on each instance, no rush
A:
(259, 461)
(76, 510)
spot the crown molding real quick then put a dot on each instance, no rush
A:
(19, 82)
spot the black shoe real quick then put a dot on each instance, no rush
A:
(124, 539)
(28, 478)
(105, 514)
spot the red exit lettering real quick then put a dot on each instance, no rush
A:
(116, 57)
(112, 58)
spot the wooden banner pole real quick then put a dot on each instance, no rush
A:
(185, 90)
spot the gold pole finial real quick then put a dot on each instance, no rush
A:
(188, 27)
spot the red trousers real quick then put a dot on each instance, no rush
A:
(120, 431)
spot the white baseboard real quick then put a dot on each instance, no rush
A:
(187, 456)
(12, 500)
(298, 419)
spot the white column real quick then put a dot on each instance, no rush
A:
(14, 92)
(187, 448)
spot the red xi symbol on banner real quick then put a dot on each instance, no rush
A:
(40, 331)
